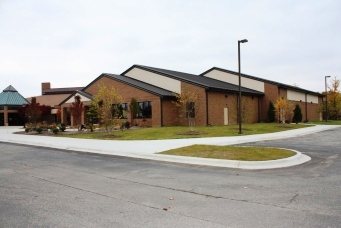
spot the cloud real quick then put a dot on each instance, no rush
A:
(70, 43)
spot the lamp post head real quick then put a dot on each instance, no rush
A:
(243, 41)
(327, 76)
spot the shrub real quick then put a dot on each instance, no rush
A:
(271, 112)
(62, 127)
(27, 129)
(39, 130)
(127, 124)
(297, 114)
(55, 130)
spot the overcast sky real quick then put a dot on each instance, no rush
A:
(69, 43)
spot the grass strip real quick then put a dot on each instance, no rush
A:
(239, 153)
(179, 132)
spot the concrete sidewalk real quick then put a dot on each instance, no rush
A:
(146, 149)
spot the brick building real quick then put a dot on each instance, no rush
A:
(52, 97)
(309, 101)
(155, 90)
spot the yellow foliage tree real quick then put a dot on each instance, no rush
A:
(284, 108)
(334, 98)
(107, 102)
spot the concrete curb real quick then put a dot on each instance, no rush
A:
(147, 149)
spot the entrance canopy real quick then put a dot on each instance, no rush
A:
(10, 101)
(11, 97)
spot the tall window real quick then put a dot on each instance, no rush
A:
(145, 109)
(120, 110)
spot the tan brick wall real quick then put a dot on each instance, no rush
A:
(310, 111)
(169, 113)
(200, 106)
(217, 101)
(271, 94)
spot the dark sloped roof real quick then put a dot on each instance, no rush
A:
(202, 81)
(135, 83)
(60, 90)
(10, 96)
(10, 89)
(264, 80)
(85, 94)
(141, 85)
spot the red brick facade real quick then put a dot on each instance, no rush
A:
(211, 108)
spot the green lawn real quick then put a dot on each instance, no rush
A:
(182, 132)
(329, 122)
(231, 152)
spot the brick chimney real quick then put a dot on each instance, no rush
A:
(44, 86)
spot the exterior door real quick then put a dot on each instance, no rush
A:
(226, 116)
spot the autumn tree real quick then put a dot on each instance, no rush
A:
(108, 102)
(76, 111)
(134, 108)
(187, 103)
(284, 108)
(271, 112)
(33, 112)
(59, 114)
(334, 99)
(297, 114)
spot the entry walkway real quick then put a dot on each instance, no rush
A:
(147, 149)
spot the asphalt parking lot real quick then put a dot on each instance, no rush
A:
(48, 187)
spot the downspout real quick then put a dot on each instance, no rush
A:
(161, 116)
(259, 109)
(206, 108)
(306, 108)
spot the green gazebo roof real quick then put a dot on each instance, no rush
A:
(10, 96)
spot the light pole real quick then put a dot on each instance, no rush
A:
(240, 92)
(325, 84)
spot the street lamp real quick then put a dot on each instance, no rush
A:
(325, 84)
(240, 92)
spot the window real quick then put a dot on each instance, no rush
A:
(190, 109)
(145, 109)
(120, 111)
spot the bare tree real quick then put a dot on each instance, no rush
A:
(33, 112)
(188, 103)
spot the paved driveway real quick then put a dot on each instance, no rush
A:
(42, 187)
(326, 142)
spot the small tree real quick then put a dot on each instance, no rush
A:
(33, 112)
(107, 102)
(76, 110)
(297, 114)
(134, 108)
(92, 114)
(188, 104)
(271, 112)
